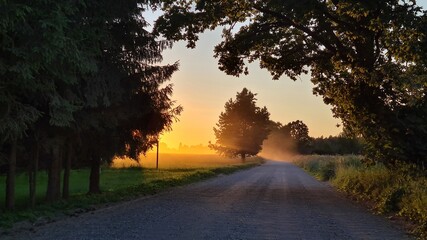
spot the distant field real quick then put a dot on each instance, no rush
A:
(170, 161)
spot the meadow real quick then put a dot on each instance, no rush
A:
(177, 161)
(125, 179)
(398, 192)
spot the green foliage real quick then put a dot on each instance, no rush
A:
(391, 199)
(336, 145)
(84, 74)
(298, 131)
(366, 58)
(127, 101)
(324, 167)
(242, 127)
(413, 205)
(62, 59)
(400, 190)
(293, 138)
(35, 37)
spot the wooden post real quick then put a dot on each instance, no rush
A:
(157, 156)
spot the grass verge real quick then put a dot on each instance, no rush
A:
(399, 192)
(117, 185)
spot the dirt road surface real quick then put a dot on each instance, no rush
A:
(274, 201)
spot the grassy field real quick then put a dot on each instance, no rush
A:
(168, 161)
(117, 184)
(399, 192)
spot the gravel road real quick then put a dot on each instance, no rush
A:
(274, 201)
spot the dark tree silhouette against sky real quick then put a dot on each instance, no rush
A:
(242, 127)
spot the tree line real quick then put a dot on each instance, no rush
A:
(80, 82)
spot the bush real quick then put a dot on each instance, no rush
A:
(414, 205)
(401, 190)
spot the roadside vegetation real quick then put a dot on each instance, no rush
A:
(117, 184)
(81, 82)
(399, 191)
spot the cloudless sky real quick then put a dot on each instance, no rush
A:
(202, 89)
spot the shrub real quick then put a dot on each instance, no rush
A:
(401, 190)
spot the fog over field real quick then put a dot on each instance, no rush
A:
(196, 156)
(174, 160)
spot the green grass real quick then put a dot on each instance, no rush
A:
(400, 191)
(116, 185)
(323, 167)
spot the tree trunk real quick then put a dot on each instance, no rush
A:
(94, 179)
(32, 173)
(67, 169)
(53, 192)
(10, 179)
(243, 157)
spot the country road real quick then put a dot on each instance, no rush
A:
(274, 201)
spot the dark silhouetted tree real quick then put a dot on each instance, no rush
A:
(128, 100)
(78, 78)
(40, 56)
(336, 145)
(242, 127)
(298, 131)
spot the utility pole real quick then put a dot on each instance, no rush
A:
(157, 156)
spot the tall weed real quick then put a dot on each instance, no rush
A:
(401, 190)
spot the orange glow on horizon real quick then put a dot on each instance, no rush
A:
(202, 89)
(198, 149)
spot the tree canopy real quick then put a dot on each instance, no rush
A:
(366, 58)
(242, 127)
(79, 78)
(298, 131)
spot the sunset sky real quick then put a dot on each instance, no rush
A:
(202, 89)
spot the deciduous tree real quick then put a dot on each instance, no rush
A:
(298, 131)
(242, 127)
